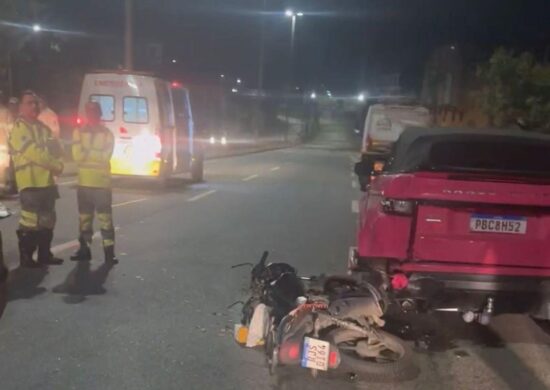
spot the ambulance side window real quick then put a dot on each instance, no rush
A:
(107, 103)
(135, 109)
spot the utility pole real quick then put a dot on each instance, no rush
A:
(129, 35)
(261, 59)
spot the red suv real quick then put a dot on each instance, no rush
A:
(459, 220)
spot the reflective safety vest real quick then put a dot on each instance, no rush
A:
(30, 145)
(92, 151)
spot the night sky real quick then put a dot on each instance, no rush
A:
(339, 43)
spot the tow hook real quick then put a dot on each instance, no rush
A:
(484, 318)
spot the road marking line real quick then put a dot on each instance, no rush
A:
(352, 174)
(200, 196)
(251, 177)
(130, 202)
(355, 206)
(68, 183)
(354, 184)
(274, 169)
(74, 243)
(63, 247)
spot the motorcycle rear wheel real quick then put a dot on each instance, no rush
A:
(394, 362)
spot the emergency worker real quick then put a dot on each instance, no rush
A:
(92, 150)
(37, 159)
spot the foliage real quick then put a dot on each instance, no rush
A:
(515, 89)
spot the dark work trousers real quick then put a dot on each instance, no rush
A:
(38, 208)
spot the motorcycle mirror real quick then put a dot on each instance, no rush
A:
(265, 255)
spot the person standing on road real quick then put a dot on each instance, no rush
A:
(92, 150)
(37, 159)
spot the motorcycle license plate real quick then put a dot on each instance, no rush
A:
(498, 224)
(315, 354)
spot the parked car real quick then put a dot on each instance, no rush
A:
(459, 220)
(383, 125)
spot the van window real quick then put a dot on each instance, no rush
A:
(135, 109)
(107, 103)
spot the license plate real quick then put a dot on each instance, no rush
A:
(315, 354)
(498, 224)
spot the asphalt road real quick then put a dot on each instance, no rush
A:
(159, 319)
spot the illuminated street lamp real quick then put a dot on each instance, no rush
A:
(361, 97)
(239, 81)
(36, 28)
(313, 96)
(292, 15)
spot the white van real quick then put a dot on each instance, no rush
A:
(151, 120)
(385, 123)
(383, 126)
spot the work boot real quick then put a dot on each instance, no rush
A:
(83, 253)
(27, 246)
(45, 256)
(110, 255)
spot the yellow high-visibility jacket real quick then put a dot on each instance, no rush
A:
(92, 151)
(34, 163)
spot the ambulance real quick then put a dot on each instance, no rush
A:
(151, 120)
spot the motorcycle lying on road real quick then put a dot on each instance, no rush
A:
(320, 323)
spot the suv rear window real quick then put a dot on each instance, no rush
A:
(107, 103)
(512, 156)
(135, 109)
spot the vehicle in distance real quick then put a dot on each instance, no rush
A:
(151, 120)
(383, 125)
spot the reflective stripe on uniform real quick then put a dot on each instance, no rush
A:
(23, 166)
(105, 221)
(86, 222)
(107, 243)
(29, 219)
(91, 165)
(46, 219)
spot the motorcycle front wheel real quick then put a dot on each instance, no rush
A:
(382, 359)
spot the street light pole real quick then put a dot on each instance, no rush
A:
(293, 16)
(129, 36)
(261, 59)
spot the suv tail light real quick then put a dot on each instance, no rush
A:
(396, 206)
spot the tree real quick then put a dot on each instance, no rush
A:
(515, 89)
